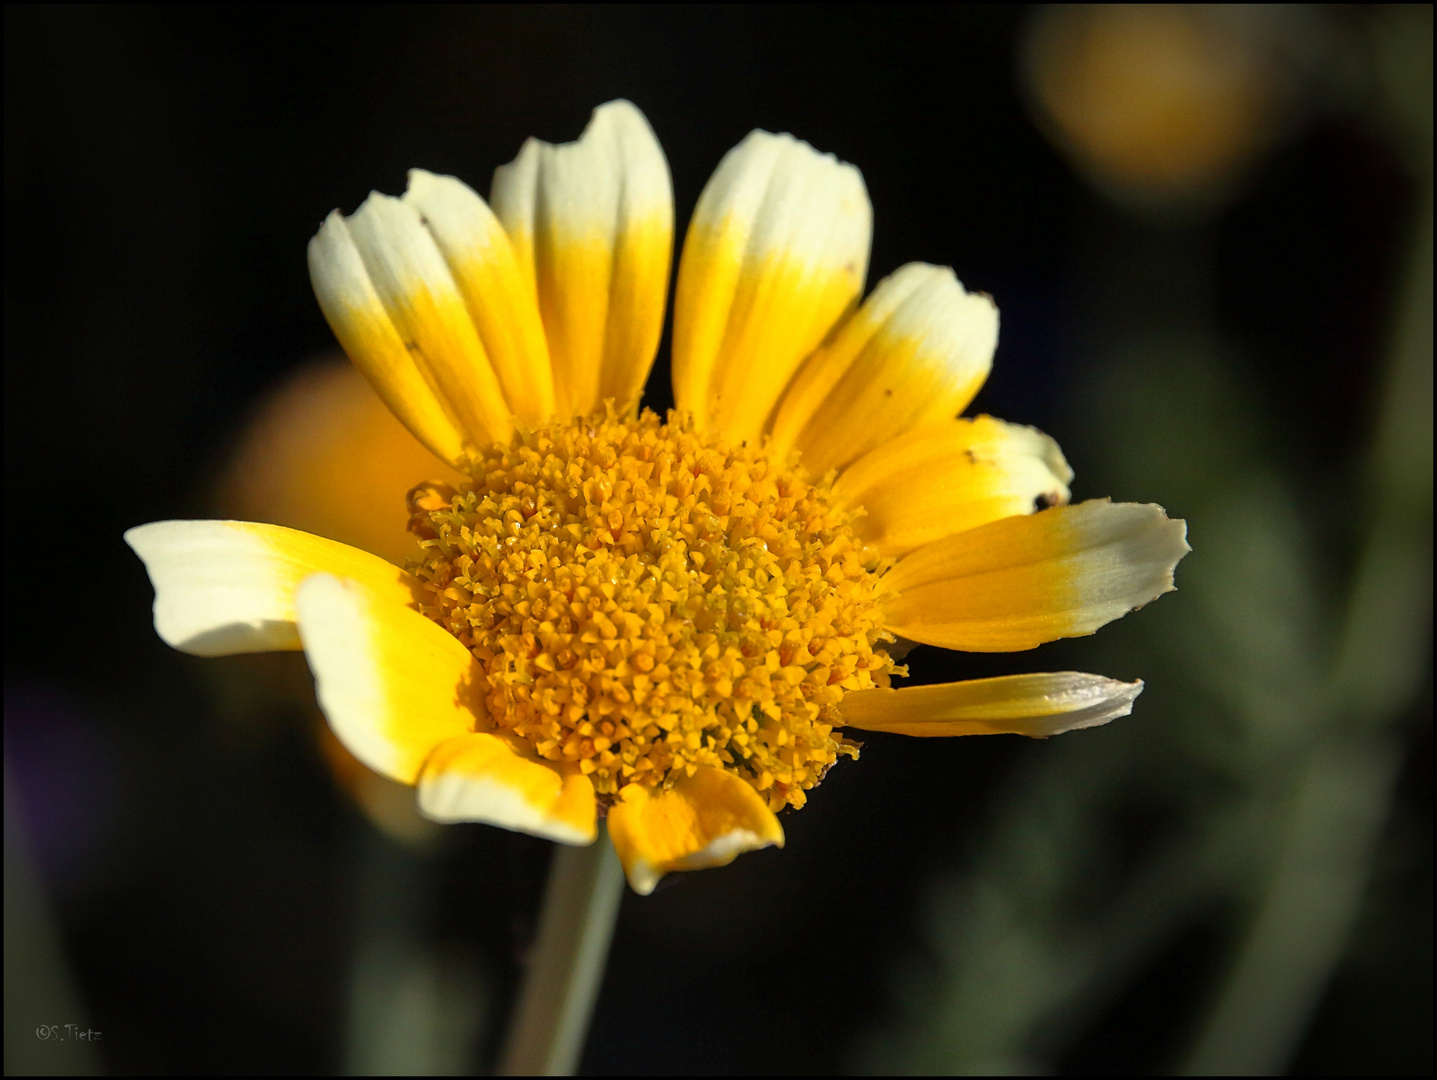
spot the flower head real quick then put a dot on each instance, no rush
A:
(673, 621)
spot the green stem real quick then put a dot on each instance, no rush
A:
(576, 925)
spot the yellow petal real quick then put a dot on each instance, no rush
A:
(393, 684)
(497, 293)
(324, 455)
(368, 335)
(1016, 583)
(225, 587)
(707, 819)
(948, 477)
(412, 280)
(592, 224)
(1032, 705)
(916, 351)
(775, 255)
(479, 777)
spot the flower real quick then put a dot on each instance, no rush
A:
(673, 622)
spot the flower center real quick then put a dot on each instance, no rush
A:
(646, 599)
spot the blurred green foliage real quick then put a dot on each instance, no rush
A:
(1217, 845)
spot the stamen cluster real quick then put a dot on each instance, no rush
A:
(646, 599)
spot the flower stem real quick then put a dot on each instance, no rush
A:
(576, 925)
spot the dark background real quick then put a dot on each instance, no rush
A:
(164, 169)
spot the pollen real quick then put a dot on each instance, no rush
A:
(645, 599)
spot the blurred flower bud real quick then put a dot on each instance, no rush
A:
(323, 454)
(1164, 105)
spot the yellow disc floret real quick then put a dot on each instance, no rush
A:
(646, 599)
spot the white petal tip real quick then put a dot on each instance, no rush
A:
(643, 878)
(1093, 702)
(213, 595)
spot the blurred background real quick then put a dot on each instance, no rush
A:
(1208, 230)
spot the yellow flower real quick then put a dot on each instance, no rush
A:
(672, 622)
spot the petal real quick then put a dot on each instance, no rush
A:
(1016, 583)
(412, 280)
(592, 223)
(323, 454)
(368, 335)
(514, 195)
(1032, 705)
(949, 477)
(707, 819)
(479, 777)
(775, 255)
(916, 351)
(393, 684)
(225, 587)
(497, 293)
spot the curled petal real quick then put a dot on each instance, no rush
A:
(1032, 705)
(592, 224)
(775, 255)
(707, 819)
(393, 684)
(480, 777)
(916, 351)
(224, 587)
(949, 477)
(1016, 583)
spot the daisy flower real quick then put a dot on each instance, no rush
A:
(671, 622)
